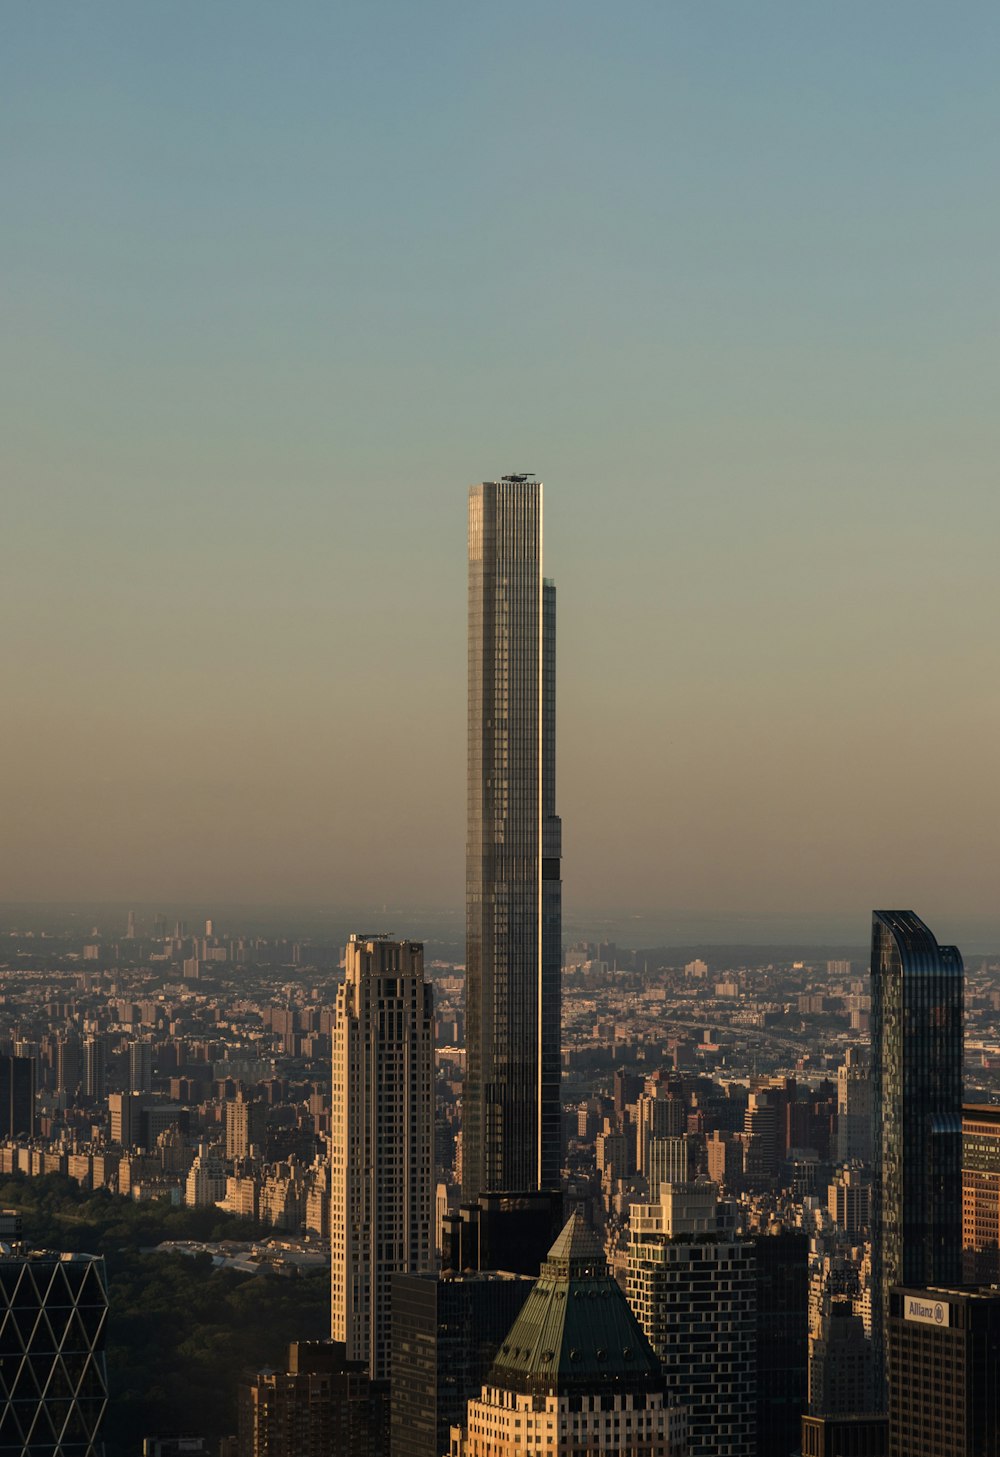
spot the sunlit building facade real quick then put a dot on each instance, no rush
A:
(381, 1141)
(511, 1121)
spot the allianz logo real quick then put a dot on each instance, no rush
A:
(921, 1311)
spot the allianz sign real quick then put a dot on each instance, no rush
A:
(934, 1312)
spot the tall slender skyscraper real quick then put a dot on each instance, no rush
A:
(381, 1140)
(511, 1117)
(917, 1049)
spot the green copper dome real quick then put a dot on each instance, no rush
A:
(576, 1332)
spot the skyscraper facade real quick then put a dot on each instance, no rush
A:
(381, 1140)
(53, 1310)
(17, 1097)
(511, 1122)
(917, 1047)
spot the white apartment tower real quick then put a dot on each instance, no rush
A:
(381, 1140)
(693, 1288)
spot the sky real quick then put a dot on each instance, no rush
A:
(279, 282)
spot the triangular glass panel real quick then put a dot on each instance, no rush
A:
(93, 1318)
(24, 1293)
(10, 1336)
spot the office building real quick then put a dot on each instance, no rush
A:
(981, 1194)
(943, 1350)
(502, 1232)
(446, 1331)
(381, 1140)
(246, 1123)
(140, 1067)
(511, 1116)
(849, 1201)
(95, 1068)
(855, 1108)
(841, 1370)
(124, 1112)
(782, 1271)
(694, 1290)
(575, 1373)
(917, 1046)
(658, 1115)
(322, 1404)
(667, 1161)
(69, 1068)
(17, 1097)
(724, 1156)
(863, 1435)
(53, 1310)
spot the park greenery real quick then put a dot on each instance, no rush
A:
(182, 1335)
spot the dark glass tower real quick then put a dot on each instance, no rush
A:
(917, 1048)
(17, 1097)
(511, 1121)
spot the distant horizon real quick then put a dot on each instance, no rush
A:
(810, 933)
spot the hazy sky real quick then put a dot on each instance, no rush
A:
(282, 280)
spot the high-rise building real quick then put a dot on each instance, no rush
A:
(782, 1339)
(322, 1404)
(981, 1194)
(694, 1289)
(124, 1110)
(140, 1066)
(657, 1115)
(575, 1373)
(53, 1309)
(17, 1097)
(854, 1107)
(943, 1349)
(246, 1123)
(68, 1068)
(849, 1201)
(917, 1046)
(446, 1331)
(841, 1373)
(95, 1068)
(381, 1140)
(861, 1435)
(511, 1117)
(667, 1161)
(502, 1232)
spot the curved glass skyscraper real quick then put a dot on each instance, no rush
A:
(511, 1119)
(917, 1050)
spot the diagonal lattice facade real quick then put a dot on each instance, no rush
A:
(53, 1380)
